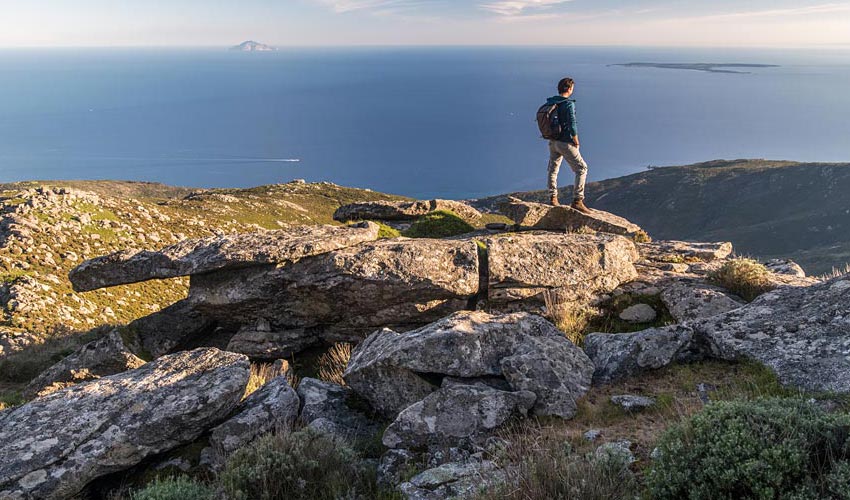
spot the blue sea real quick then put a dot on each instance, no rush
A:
(425, 122)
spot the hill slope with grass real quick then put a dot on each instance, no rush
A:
(765, 208)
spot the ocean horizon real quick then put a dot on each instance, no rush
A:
(452, 122)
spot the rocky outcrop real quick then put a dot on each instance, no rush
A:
(455, 414)
(685, 251)
(56, 444)
(620, 355)
(801, 333)
(404, 210)
(523, 265)
(12, 341)
(261, 342)
(688, 300)
(272, 407)
(105, 356)
(395, 370)
(192, 257)
(531, 215)
(453, 480)
(326, 408)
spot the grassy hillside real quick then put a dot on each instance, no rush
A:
(766, 208)
(47, 228)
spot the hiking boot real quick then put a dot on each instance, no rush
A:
(579, 205)
(554, 201)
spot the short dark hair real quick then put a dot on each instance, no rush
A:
(565, 84)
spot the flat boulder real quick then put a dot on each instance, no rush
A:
(236, 251)
(801, 333)
(691, 300)
(621, 355)
(401, 211)
(395, 370)
(102, 357)
(523, 265)
(530, 215)
(672, 251)
(56, 444)
(456, 414)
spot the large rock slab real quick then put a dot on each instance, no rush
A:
(453, 480)
(523, 265)
(403, 210)
(192, 257)
(56, 444)
(530, 215)
(690, 300)
(456, 414)
(801, 333)
(348, 292)
(272, 407)
(395, 370)
(621, 355)
(685, 251)
(102, 357)
(326, 407)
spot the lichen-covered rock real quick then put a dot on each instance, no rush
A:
(56, 444)
(693, 300)
(632, 403)
(638, 313)
(345, 293)
(522, 265)
(785, 266)
(102, 357)
(270, 311)
(680, 251)
(801, 333)
(394, 370)
(455, 414)
(403, 210)
(621, 355)
(12, 341)
(192, 257)
(455, 480)
(532, 215)
(326, 407)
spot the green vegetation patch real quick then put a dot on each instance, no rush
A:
(438, 224)
(773, 448)
(299, 465)
(174, 488)
(387, 232)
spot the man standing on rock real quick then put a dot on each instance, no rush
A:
(563, 142)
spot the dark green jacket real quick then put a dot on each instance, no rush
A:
(567, 116)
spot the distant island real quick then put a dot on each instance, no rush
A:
(252, 46)
(709, 67)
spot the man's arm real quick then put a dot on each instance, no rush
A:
(573, 124)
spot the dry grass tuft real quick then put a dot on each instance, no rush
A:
(836, 272)
(332, 363)
(261, 373)
(744, 277)
(570, 317)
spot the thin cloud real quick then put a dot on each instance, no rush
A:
(516, 8)
(827, 8)
(343, 6)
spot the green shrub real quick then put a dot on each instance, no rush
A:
(299, 465)
(174, 488)
(438, 224)
(764, 449)
(387, 232)
(743, 277)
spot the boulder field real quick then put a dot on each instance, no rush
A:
(452, 343)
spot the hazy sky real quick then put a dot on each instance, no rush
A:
(777, 23)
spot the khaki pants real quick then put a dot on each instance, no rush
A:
(557, 152)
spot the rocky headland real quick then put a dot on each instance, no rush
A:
(430, 349)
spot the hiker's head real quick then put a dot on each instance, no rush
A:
(565, 86)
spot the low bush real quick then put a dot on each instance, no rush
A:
(174, 488)
(746, 278)
(765, 449)
(298, 465)
(438, 224)
(386, 232)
